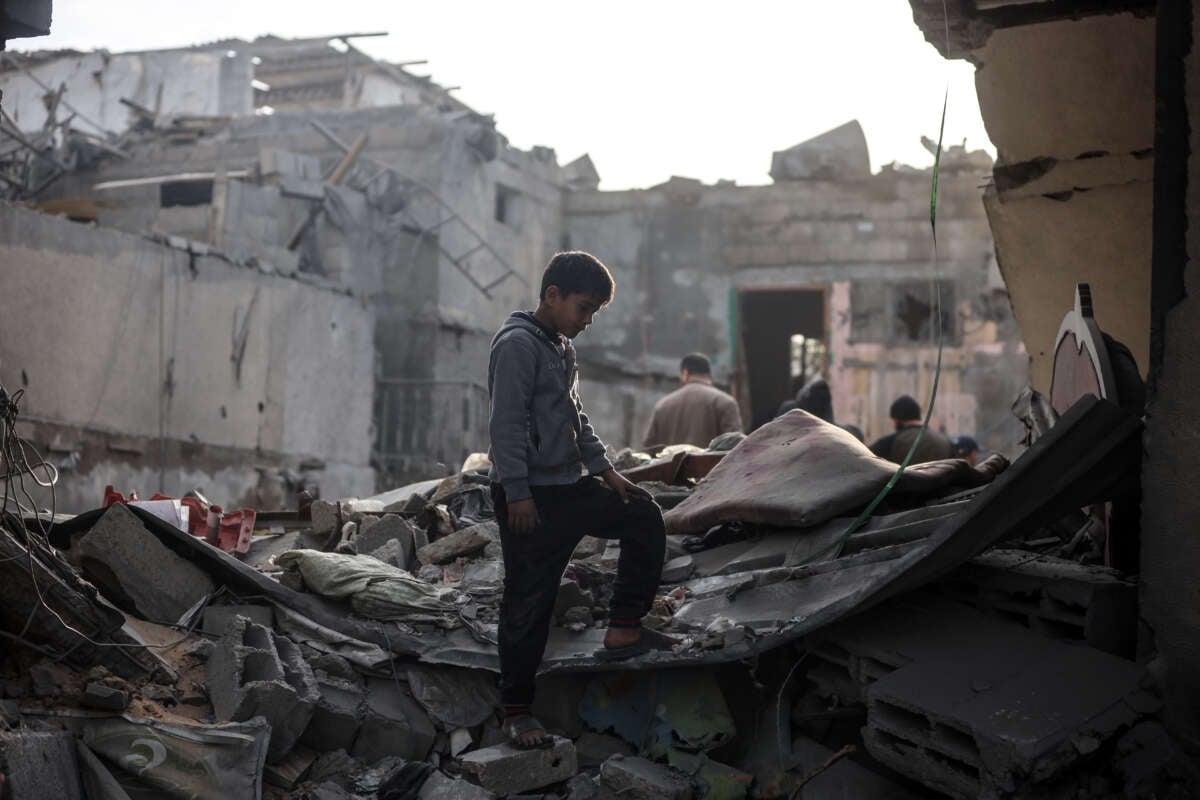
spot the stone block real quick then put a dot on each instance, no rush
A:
(440, 786)
(503, 769)
(393, 724)
(39, 764)
(450, 547)
(217, 618)
(138, 572)
(632, 778)
(253, 672)
(97, 695)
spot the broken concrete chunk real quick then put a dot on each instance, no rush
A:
(393, 724)
(440, 786)
(252, 672)
(581, 787)
(389, 527)
(503, 769)
(39, 764)
(632, 778)
(324, 516)
(392, 554)
(97, 695)
(450, 547)
(678, 569)
(138, 572)
(570, 595)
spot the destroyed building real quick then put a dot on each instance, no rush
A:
(844, 627)
(438, 228)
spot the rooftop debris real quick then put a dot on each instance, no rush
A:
(350, 651)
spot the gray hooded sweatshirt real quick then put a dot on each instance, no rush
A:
(540, 434)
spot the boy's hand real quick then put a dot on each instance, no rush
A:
(623, 486)
(522, 515)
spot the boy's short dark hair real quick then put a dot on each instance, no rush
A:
(905, 408)
(695, 363)
(576, 271)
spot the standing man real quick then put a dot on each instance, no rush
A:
(695, 413)
(906, 416)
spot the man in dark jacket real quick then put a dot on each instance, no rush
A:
(906, 416)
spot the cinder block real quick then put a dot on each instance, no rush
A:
(639, 779)
(393, 724)
(999, 709)
(503, 769)
(252, 672)
(1052, 596)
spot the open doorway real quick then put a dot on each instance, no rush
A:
(783, 345)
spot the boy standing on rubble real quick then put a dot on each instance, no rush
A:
(552, 484)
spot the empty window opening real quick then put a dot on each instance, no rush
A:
(506, 204)
(185, 193)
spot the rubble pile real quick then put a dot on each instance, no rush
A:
(931, 648)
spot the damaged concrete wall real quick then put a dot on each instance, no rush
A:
(685, 257)
(196, 82)
(1068, 107)
(1170, 554)
(153, 368)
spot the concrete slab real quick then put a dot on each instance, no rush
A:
(136, 571)
(394, 724)
(996, 708)
(632, 778)
(503, 769)
(337, 715)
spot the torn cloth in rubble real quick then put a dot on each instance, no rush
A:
(375, 590)
(798, 471)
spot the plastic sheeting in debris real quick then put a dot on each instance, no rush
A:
(185, 761)
(375, 590)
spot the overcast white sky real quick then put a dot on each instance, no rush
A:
(650, 89)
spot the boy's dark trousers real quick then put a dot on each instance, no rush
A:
(534, 562)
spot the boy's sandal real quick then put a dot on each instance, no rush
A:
(527, 723)
(648, 642)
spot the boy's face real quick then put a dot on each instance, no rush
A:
(571, 313)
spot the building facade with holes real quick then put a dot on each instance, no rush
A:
(420, 211)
